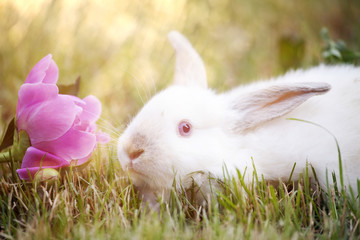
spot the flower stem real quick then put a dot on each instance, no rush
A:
(13, 169)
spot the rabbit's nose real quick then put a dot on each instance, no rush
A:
(134, 153)
(134, 146)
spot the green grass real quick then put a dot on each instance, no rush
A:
(100, 203)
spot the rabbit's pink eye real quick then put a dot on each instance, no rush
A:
(185, 128)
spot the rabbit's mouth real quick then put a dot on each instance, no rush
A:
(131, 167)
(133, 171)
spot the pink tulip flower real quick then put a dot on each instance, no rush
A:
(62, 128)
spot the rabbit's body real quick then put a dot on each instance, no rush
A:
(277, 144)
(188, 128)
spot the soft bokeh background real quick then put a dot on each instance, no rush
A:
(120, 50)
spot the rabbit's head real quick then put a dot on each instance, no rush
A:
(169, 136)
(188, 128)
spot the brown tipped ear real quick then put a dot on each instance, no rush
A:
(189, 70)
(273, 102)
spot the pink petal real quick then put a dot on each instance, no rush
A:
(102, 137)
(52, 73)
(74, 144)
(76, 100)
(34, 158)
(30, 94)
(45, 71)
(91, 110)
(27, 173)
(81, 160)
(49, 120)
(90, 114)
(85, 126)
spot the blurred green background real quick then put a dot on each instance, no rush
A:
(120, 50)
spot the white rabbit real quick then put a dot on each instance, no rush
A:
(188, 127)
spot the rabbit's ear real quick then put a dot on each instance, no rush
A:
(189, 68)
(266, 104)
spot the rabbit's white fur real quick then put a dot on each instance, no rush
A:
(248, 124)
